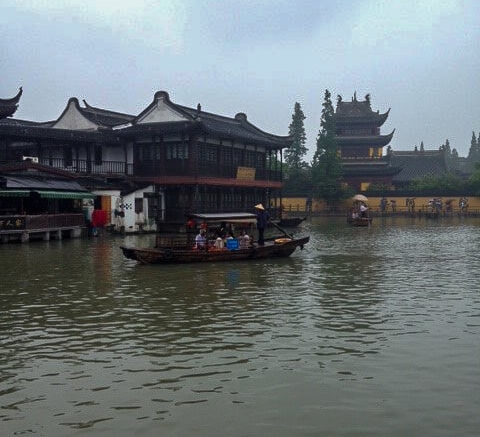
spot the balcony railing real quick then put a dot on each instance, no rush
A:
(145, 168)
(12, 223)
(84, 166)
(180, 168)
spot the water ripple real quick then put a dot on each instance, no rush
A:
(354, 318)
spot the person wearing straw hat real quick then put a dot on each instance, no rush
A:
(262, 220)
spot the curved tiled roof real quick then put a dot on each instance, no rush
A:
(241, 128)
(104, 117)
(379, 140)
(370, 170)
(21, 123)
(358, 112)
(23, 129)
(227, 127)
(237, 127)
(416, 165)
(9, 106)
(373, 119)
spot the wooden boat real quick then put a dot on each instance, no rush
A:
(360, 221)
(359, 214)
(432, 214)
(291, 222)
(178, 249)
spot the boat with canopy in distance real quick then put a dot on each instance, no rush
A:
(179, 249)
(359, 215)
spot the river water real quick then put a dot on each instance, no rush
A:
(366, 332)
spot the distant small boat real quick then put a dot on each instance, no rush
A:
(432, 214)
(360, 221)
(359, 214)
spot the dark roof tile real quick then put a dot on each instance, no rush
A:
(416, 165)
(105, 117)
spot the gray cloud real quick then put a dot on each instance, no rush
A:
(418, 58)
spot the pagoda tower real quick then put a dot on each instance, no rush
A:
(361, 144)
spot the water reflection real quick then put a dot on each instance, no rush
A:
(90, 340)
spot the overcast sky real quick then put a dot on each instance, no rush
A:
(419, 58)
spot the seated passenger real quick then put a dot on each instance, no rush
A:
(363, 210)
(244, 239)
(201, 239)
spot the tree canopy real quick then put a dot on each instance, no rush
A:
(327, 168)
(296, 152)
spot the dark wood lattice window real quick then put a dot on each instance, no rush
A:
(98, 156)
(67, 156)
(177, 150)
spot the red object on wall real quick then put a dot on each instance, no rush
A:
(99, 218)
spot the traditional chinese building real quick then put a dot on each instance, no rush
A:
(418, 164)
(361, 144)
(159, 165)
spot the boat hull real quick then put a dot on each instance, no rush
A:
(271, 249)
(360, 221)
(291, 222)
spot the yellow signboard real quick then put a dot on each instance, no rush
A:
(247, 173)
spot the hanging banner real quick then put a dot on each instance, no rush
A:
(246, 173)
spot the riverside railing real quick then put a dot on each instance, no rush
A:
(19, 223)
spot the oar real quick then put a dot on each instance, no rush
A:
(282, 230)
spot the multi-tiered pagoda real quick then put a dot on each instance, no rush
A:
(361, 144)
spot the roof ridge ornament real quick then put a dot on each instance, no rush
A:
(241, 116)
(161, 95)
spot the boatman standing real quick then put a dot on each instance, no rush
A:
(262, 220)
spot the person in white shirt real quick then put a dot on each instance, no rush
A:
(201, 239)
(244, 239)
(363, 210)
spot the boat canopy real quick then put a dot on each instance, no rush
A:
(228, 217)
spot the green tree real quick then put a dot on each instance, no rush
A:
(473, 141)
(295, 153)
(473, 153)
(447, 182)
(327, 168)
(298, 182)
(474, 180)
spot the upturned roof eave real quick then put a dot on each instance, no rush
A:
(365, 140)
(380, 170)
(273, 142)
(347, 120)
(13, 100)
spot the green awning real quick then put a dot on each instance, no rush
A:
(14, 193)
(65, 195)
